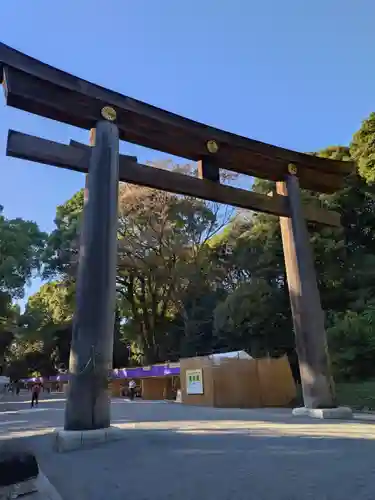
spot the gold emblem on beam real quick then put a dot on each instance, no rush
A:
(212, 146)
(109, 113)
(292, 169)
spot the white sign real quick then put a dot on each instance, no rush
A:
(194, 381)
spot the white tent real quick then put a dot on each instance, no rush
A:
(216, 358)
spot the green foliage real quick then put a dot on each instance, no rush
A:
(162, 252)
(352, 344)
(61, 252)
(21, 244)
(42, 342)
(192, 279)
(9, 317)
(253, 318)
(362, 149)
(162, 249)
(191, 332)
(26, 356)
(53, 304)
(357, 395)
(122, 347)
(341, 153)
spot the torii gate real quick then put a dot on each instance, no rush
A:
(36, 87)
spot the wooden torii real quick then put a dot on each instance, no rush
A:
(38, 88)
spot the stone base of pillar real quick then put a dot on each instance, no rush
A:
(339, 413)
(76, 440)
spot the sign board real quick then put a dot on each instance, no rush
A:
(194, 381)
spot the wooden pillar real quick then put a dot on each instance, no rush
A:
(86, 188)
(88, 402)
(92, 137)
(208, 170)
(308, 316)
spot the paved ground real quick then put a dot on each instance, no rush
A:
(188, 453)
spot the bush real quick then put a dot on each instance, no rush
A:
(351, 342)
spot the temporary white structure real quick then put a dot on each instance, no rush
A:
(221, 356)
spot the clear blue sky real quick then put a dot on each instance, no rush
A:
(295, 73)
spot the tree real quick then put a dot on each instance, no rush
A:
(121, 345)
(191, 280)
(9, 318)
(362, 149)
(27, 358)
(47, 323)
(61, 253)
(351, 249)
(162, 250)
(257, 254)
(162, 245)
(191, 332)
(253, 318)
(21, 245)
(52, 304)
(352, 344)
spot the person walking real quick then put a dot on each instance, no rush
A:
(35, 395)
(132, 386)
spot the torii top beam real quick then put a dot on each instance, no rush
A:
(41, 89)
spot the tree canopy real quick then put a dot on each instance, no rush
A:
(194, 277)
(21, 247)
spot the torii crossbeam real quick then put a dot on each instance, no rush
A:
(76, 157)
(33, 86)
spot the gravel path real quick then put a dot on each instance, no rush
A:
(187, 453)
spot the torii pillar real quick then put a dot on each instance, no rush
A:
(88, 402)
(308, 316)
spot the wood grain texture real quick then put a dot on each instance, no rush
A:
(77, 158)
(307, 313)
(41, 89)
(88, 402)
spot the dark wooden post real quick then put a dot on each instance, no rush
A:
(308, 316)
(208, 170)
(88, 404)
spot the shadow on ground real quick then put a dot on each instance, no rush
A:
(186, 453)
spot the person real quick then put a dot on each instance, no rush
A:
(35, 395)
(132, 386)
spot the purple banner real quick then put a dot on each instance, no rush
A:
(152, 371)
(120, 373)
